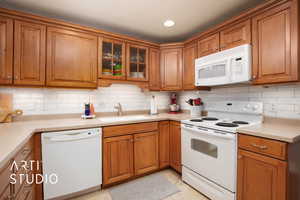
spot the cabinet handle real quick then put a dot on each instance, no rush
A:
(262, 147)
(240, 156)
(26, 151)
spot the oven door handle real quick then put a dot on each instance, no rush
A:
(209, 132)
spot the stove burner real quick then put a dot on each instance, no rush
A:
(226, 124)
(196, 120)
(210, 119)
(240, 122)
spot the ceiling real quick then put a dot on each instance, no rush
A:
(139, 18)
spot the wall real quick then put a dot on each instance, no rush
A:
(279, 100)
(36, 101)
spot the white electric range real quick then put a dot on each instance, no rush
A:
(209, 147)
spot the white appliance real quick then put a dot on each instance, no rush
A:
(209, 147)
(225, 67)
(75, 157)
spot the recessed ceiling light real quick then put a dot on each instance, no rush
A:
(169, 23)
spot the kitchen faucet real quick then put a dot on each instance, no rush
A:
(119, 109)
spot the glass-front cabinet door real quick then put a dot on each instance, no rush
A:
(137, 63)
(111, 59)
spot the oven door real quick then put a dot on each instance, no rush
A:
(212, 73)
(211, 154)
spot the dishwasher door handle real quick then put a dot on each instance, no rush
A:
(66, 138)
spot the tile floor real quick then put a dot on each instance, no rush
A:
(186, 192)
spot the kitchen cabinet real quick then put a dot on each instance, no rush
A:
(137, 63)
(6, 51)
(129, 151)
(235, 35)
(175, 146)
(19, 190)
(71, 58)
(111, 59)
(171, 67)
(154, 69)
(275, 54)
(261, 177)
(29, 54)
(164, 144)
(146, 152)
(117, 159)
(189, 56)
(209, 45)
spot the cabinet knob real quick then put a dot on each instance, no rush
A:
(253, 77)
(240, 156)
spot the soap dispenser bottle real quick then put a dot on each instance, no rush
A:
(153, 106)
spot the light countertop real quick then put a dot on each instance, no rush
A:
(14, 135)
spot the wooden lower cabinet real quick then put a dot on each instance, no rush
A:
(164, 144)
(175, 146)
(117, 159)
(145, 152)
(261, 177)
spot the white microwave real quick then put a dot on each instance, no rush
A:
(225, 67)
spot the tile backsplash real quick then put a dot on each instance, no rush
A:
(281, 101)
(37, 101)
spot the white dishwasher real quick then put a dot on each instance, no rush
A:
(75, 158)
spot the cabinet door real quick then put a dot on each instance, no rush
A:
(117, 159)
(71, 58)
(260, 177)
(6, 50)
(209, 45)
(175, 146)
(111, 59)
(154, 68)
(164, 144)
(189, 56)
(146, 152)
(273, 34)
(236, 35)
(5, 186)
(29, 57)
(137, 63)
(171, 69)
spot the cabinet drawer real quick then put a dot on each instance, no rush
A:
(267, 147)
(111, 131)
(26, 150)
(4, 181)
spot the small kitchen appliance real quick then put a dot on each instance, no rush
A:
(209, 147)
(174, 107)
(225, 67)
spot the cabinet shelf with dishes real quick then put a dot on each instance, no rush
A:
(137, 63)
(111, 59)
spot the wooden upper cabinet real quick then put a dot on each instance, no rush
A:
(189, 56)
(137, 63)
(261, 177)
(209, 45)
(164, 144)
(117, 159)
(274, 47)
(146, 152)
(111, 59)
(154, 69)
(236, 35)
(6, 50)
(29, 54)
(175, 146)
(71, 58)
(171, 69)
